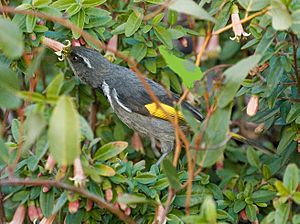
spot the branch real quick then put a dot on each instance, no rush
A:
(242, 21)
(101, 202)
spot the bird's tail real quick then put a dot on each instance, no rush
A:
(252, 143)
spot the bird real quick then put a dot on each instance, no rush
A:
(130, 100)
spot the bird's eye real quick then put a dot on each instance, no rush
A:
(75, 58)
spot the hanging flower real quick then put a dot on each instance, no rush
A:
(73, 206)
(252, 106)
(19, 215)
(237, 26)
(112, 46)
(79, 176)
(60, 49)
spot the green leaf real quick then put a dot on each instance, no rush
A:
(252, 157)
(78, 20)
(4, 154)
(171, 173)
(46, 202)
(103, 170)
(296, 22)
(133, 23)
(73, 9)
(184, 68)
(92, 3)
(290, 178)
(8, 86)
(216, 137)
(282, 190)
(164, 36)
(234, 77)
(85, 129)
(239, 205)
(287, 137)
(282, 213)
(64, 132)
(11, 39)
(251, 212)
(55, 85)
(263, 196)
(61, 201)
(138, 51)
(191, 8)
(110, 150)
(296, 197)
(63, 4)
(281, 18)
(158, 18)
(30, 23)
(254, 5)
(40, 3)
(145, 178)
(209, 209)
(132, 199)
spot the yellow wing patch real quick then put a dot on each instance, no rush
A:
(164, 111)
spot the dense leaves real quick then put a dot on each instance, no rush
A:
(55, 128)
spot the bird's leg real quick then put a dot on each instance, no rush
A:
(166, 148)
(154, 149)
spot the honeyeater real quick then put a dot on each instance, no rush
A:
(129, 98)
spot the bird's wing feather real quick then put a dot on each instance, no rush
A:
(139, 101)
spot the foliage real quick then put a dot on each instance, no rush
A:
(46, 110)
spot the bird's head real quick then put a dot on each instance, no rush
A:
(89, 65)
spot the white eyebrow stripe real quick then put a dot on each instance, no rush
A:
(86, 61)
(115, 96)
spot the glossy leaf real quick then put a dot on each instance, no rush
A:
(281, 18)
(290, 178)
(64, 132)
(234, 77)
(11, 39)
(184, 68)
(191, 8)
(133, 23)
(110, 150)
(171, 174)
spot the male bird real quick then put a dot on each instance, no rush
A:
(129, 98)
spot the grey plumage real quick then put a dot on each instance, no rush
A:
(127, 95)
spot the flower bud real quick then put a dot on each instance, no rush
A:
(252, 106)
(89, 205)
(127, 211)
(109, 195)
(73, 206)
(19, 215)
(137, 143)
(112, 47)
(76, 43)
(50, 163)
(32, 212)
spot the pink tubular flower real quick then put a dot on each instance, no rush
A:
(79, 176)
(252, 106)
(73, 206)
(109, 195)
(48, 220)
(19, 215)
(112, 47)
(237, 26)
(32, 212)
(89, 205)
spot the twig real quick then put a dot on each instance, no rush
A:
(295, 46)
(242, 21)
(2, 212)
(101, 202)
